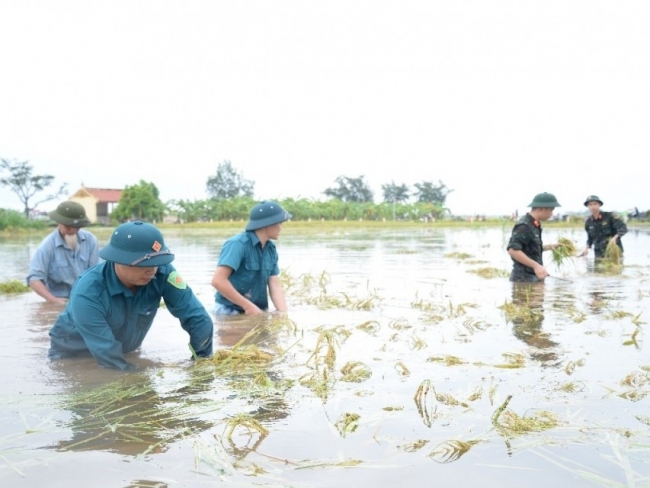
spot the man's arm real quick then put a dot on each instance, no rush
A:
(39, 287)
(183, 304)
(223, 285)
(276, 293)
(37, 274)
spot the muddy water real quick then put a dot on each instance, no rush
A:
(442, 351)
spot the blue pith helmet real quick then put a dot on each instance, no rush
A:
(265, 214)
(544, 200)
(137, 244)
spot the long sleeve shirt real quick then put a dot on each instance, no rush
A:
(105, 319)
(601, 229)
(58, 266)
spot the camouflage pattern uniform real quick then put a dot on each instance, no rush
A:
(527, 237)
(602, 229)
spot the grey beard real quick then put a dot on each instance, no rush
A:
(71, 241)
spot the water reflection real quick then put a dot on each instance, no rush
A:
(134, 414)
(527, 320)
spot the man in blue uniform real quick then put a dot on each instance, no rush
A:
(525, 246)
(63, 255)
(248, 265)
(602, 228)
(113, 304)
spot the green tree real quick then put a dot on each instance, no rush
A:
(141, 202)
(25, 185)
(427, 192)
(228, 183)
(350, 190)
(395, 193)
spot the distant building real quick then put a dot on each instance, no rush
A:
(98, 202)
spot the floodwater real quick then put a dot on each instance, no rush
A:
(460, 379)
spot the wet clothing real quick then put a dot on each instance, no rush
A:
(106, 320)
(252, 267)
(58, 266)
(601, 229)
(527, 237)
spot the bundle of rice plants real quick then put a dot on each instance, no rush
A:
(612, 254)
(565, 249)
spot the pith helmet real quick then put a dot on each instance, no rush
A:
(137, 244)
(544, 200)
(265, 214)
(593, 198)
(72, 214)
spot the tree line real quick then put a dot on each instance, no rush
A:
(230, 197)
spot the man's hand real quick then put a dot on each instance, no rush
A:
(540, 272)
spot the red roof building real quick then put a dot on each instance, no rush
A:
(98, 202)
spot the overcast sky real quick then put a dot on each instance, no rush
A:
(498, 99)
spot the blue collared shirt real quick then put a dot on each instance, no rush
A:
(58, 266)
(252, 267)
(105, 319)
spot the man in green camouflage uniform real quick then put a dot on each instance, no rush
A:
(602, 228)
(525, 246)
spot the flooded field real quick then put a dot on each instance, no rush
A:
(407, 359)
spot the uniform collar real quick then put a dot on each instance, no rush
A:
(253, 237)
(533, 221)
(113, 283)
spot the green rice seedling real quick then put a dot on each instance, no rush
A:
(566, 249)
(347, 423)
(473, 325)
(573, 386)
(513, 361)
(509, 424)
(432, 318)
(416, 343)
(355, 372)
(326, 345)
(414, 446)
(632, 341)
(447, 360)
(13, 286)
(402, 370)
(450, 451)
(492, 392)
(448, 399)
(319, 382)
(393, 409)
(637, 320)
(245, 421)
(476, 394)
(489, 273)
(618, 314)
(577, 316)
(399, 324)
(371, 326)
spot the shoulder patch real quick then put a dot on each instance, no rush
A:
(175, 280)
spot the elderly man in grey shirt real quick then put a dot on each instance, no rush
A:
(63, 255)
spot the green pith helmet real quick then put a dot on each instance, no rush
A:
(72, 214)
(137, 244)
(544, 200)
(265, 214)
(593, 198)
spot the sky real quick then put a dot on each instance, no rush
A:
(499, 100)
